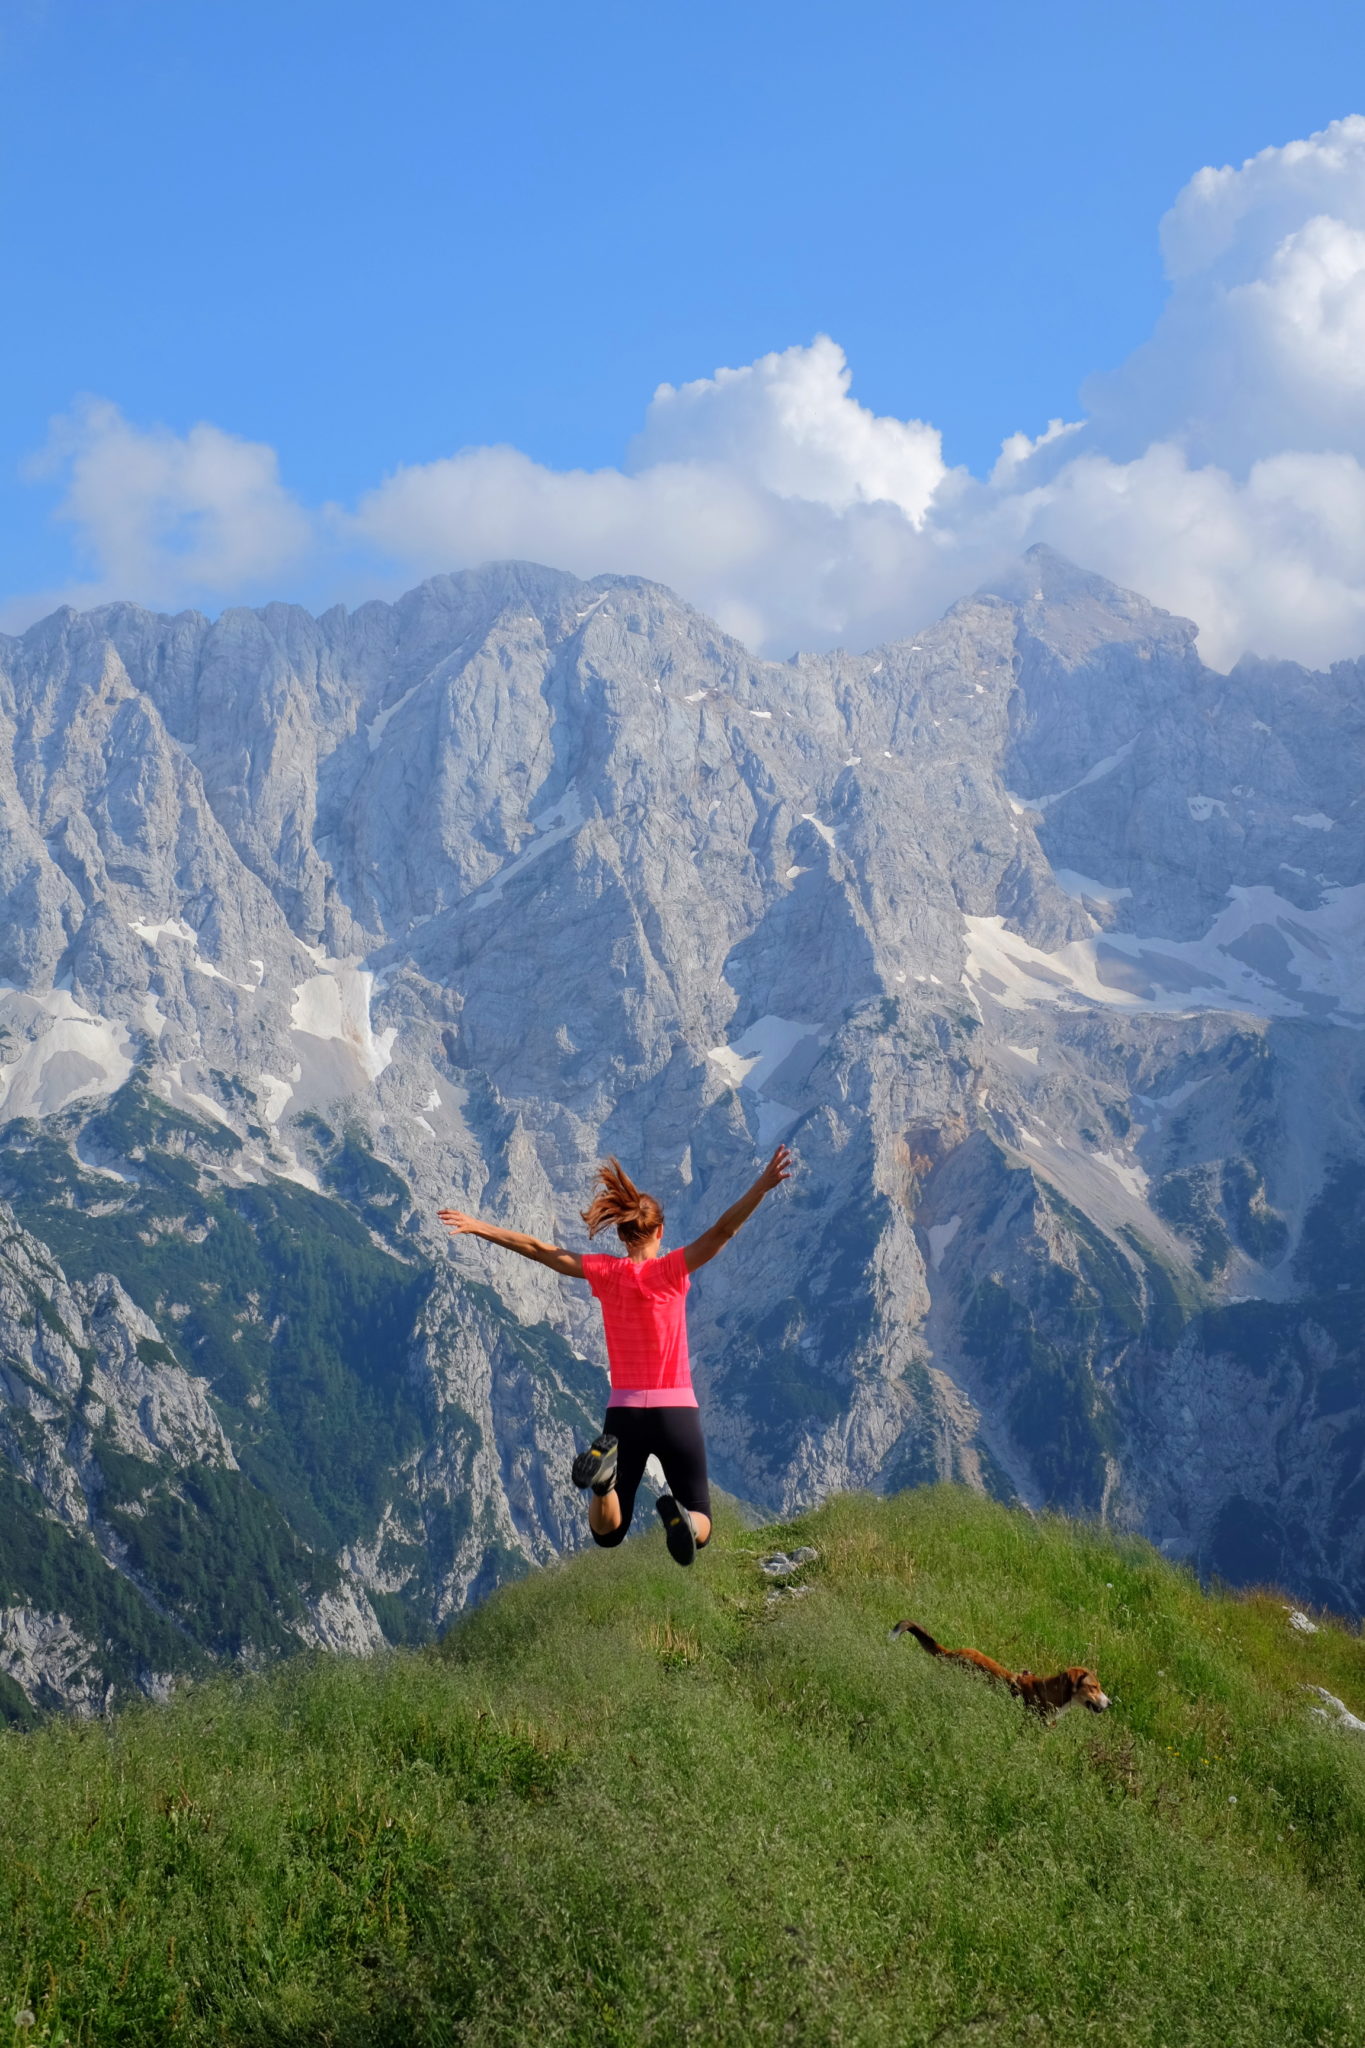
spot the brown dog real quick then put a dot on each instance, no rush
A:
(1046, 1696)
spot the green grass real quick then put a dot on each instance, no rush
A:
(623, 1804)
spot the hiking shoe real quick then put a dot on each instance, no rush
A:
(679, 1532)
(596, 1467)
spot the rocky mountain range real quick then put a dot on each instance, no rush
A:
(1041, 944)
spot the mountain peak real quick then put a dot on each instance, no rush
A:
(1043, 576)
(1072, 611)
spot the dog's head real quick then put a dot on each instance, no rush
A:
(1085, 1689)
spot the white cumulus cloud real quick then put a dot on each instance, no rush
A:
(788, 423)
(766, 495)
(166, 518)
(1261, 345)
(1220, 470)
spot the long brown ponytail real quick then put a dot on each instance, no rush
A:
(619, 1201)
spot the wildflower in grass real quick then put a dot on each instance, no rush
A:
(25, 2017)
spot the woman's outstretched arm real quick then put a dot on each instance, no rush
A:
(711, 1241)
(551, 1255)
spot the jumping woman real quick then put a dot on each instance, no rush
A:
(652, 1408)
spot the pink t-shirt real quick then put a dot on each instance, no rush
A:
(645, 1313)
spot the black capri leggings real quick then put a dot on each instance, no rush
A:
(673, 1436)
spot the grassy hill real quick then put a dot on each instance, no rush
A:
(624, 1804)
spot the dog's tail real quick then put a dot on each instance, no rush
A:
(922, 1637)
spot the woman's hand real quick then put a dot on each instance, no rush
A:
(711, 1241)
(776, 1171)
(457, 1222)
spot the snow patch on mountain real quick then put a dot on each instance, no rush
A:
(1261, 955)
(276, 1094)
(334, 1006)
(940, 1236)
(176, 928)
(1081, 886)
(64, 1053)
(809, 818)
(378, 725)
(555, 825)
(758, 1052)
(1095, 774)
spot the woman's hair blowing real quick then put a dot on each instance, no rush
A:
(619, 1201)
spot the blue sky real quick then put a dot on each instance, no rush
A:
(368, 236)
